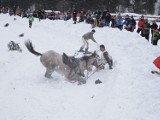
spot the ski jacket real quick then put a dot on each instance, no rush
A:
(133, 22)
(154, 26)
(155, 35)
(140, 23)
(108, 17)
(127, 21)
(118, 22)
(146, 28)
(31, 19)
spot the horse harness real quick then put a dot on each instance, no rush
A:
(74, 66)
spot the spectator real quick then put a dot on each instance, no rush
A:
(113, 21)
(127, 22)
(31, 19)
(108, 19)
(74, 15)
(146, 29)
(133, 24)
(140, 24)
(119, 23)
(154, 26)
(155, 37)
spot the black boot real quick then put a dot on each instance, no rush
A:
(81, 50)
(86, 50)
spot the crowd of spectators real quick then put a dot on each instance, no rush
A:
(96, 18)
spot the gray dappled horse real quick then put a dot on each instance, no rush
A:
(72, 68)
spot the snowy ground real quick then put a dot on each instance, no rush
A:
(128, 92)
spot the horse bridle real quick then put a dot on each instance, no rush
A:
(97, 56)
(78, 67)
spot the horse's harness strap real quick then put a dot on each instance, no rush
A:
(74, 65)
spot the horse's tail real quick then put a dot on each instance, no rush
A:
(30, 47)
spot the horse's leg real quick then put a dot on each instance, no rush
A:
(49, 73)
(81, 81)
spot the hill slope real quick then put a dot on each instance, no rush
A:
(128, 92)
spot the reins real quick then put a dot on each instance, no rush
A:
(78, 70)
(88, 76)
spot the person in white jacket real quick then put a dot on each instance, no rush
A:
(105, 57)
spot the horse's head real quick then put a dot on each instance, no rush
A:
(98, 63)
(79, 65)
(91, 60)
(97, 60)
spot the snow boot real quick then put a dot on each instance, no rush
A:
(81, 50)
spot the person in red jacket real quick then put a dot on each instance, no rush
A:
(140, 24)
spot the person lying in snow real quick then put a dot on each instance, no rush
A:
(105, 58)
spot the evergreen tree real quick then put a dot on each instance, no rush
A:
(138, 6)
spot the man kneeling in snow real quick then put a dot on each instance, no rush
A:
(105, 58)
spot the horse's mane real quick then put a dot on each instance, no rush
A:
(87, 57)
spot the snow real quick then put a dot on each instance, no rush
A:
(128, 92)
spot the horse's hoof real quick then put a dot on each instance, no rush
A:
(81, 82)
(49, 77)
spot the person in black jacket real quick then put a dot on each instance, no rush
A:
(154, 26)
(74, 15)
(146, 29)
(108, 18)
(133, 24)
